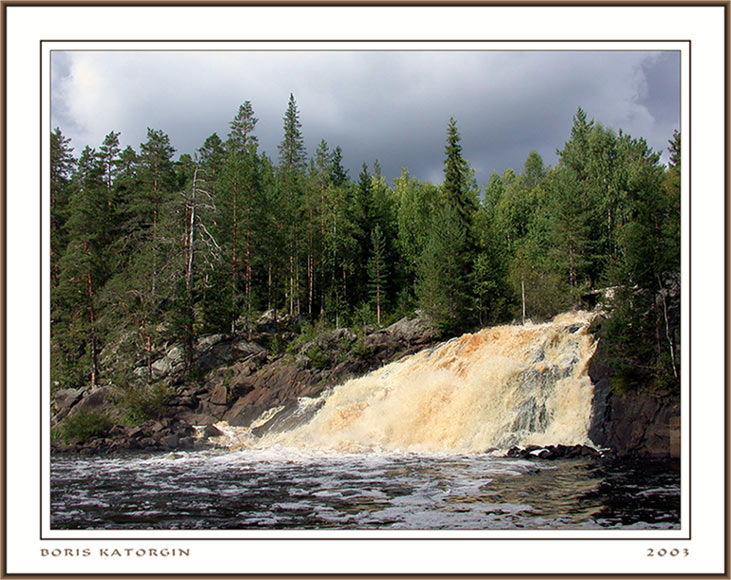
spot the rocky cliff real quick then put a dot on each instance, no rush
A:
(633, 423)
(236, 381)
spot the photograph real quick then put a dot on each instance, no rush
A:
(411, 288)
(455, 305)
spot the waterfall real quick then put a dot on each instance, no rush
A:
(514, 385)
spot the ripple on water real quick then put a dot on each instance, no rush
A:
(277, 490)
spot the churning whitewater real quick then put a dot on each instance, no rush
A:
(401, 448)
(506, 386)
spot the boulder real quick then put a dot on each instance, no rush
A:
(99, 398)
(219, 396)
(170, 441)
(64, 399)
(416, 330)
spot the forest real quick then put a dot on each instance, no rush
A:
(149, 249)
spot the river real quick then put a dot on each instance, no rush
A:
(296, 489)
(420, 443)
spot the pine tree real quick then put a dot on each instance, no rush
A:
(314, 207)
(109, 157)
(240, 203)
(84, 270)
(148, 275)
(212, 155)
(242, 128)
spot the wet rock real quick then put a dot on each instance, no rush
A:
(170, 442)
(554, 452)
(211, 431)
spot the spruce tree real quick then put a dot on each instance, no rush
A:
(292, 161)
(445, 289)
(440, 285)
(456, 189)
(378, 270)
(62, 167)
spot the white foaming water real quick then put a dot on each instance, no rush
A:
(501, 387)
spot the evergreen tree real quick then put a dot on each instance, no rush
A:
(239, 204)
(212, 155)
(456, 189)
(242, 128)
(314, 207)
(84, 270)
(438, 286)
(338, 175)
(445, 289)
(109, 157)
(145, 281)
(377, 270)
(62, 167)
(292, 160)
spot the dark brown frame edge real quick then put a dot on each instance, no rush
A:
(3, 252)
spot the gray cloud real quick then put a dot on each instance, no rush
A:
(389, 105)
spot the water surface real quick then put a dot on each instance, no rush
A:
(295, 489)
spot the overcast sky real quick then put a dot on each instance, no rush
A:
(393, 106)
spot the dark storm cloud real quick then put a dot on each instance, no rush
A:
(393, 106)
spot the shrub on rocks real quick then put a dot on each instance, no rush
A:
(84, 425)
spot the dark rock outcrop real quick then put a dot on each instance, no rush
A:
(237, 380)
(634, 423)
(553, 452)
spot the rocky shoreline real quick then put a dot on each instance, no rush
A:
(236, 380)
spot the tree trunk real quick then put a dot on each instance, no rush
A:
(94, 372)
(522, 296)
(668, 335)
(248, 284)
(191, 237)
(234, 261)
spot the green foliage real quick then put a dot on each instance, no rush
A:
(274, 343)
(84, 425)
(318, 357)
(378, 270)
(147, 250)
(142, 402)
(441, 283)
(359, 350)
(309, 331)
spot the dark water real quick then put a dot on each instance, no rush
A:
(277, 490)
